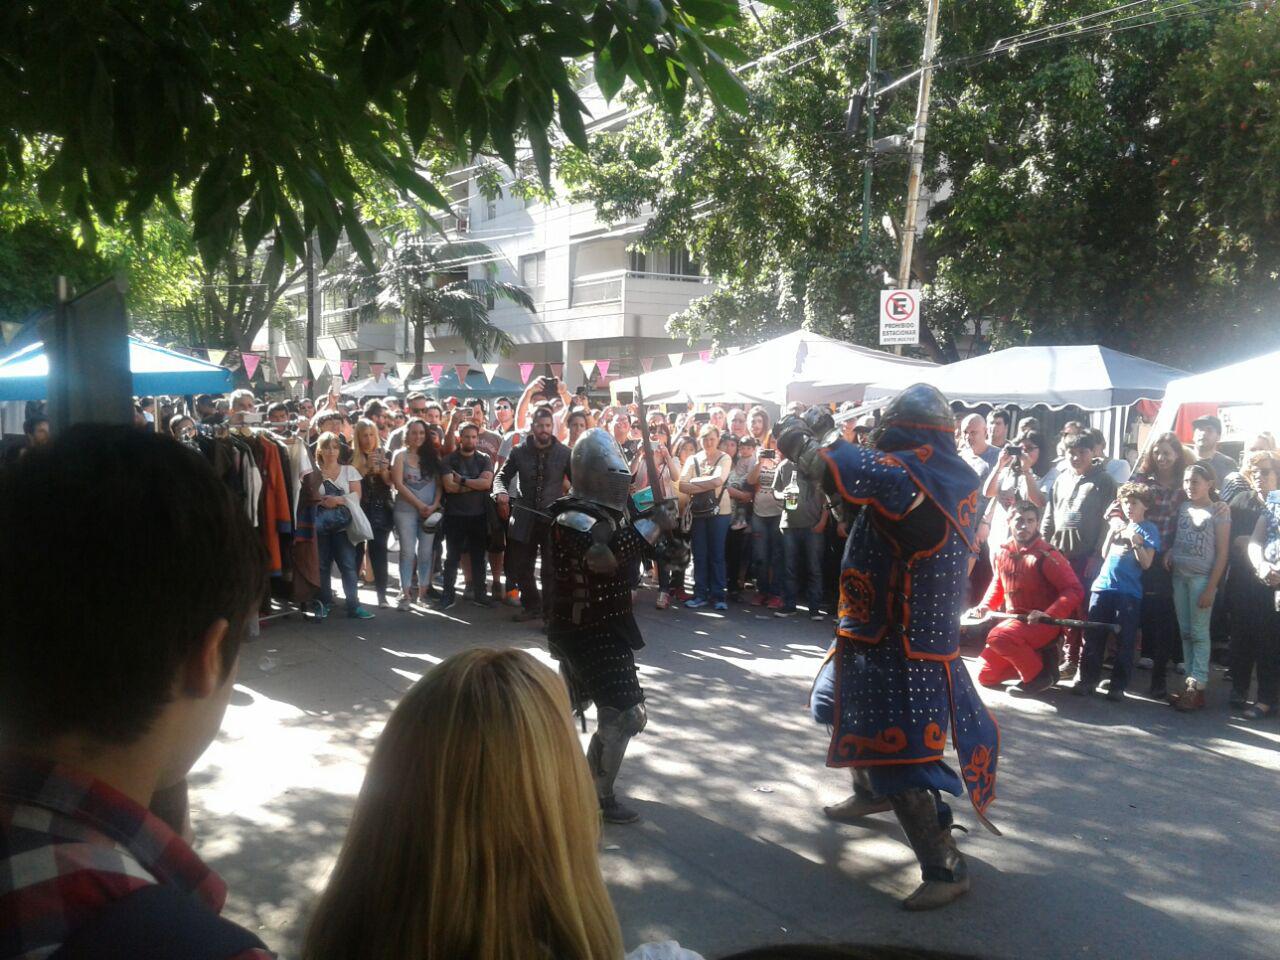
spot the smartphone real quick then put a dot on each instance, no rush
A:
(550, 387)
(702, 418)
(768, 454)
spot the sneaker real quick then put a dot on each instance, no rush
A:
(359, 613)
(759, 600)
(1037, 684)
(319, 610)
(384, 603)
(480, 600)
(1115, 694)
(446, 603)
(512, 599)
(663, 601)
(1081, 689)
(785, 612)
(1068, 670)
(1192, 698)
(404, 604)
(721, 605)
(1145, 663)
(696, 603)
(774, 603)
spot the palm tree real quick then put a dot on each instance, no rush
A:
(425, 281)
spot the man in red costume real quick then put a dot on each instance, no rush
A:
(1035, 579)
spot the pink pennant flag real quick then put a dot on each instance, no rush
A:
(526, 371)
(251, 361)
(588, 366)
(404, 368)
(489, 370)
(216, 356)
(437, 371)
(675, 358)
(603, 366)
(462, 369)
(282, 364)
(646, 364)
(348, 368)
(377, 369)
(704, 355)
(557, 370)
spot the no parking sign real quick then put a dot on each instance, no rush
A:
(899, 317)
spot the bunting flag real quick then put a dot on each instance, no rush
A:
(557, 370)
(282, 364)
(318, 366)
(526, 371)
(603, 366)
(216, 356)
(704, 355)
(646, 364)
(437, 371)
(348, 368)
(251, 361)
(588, 367)
(676, 359)
(489, 370)
(404, 368)
(9, 329)
(376, 369)
(462, 369)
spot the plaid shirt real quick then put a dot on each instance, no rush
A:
(1163, 511)
(69, 845)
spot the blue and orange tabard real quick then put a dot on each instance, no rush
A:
(899, 682)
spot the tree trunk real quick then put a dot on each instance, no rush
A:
(419, 345)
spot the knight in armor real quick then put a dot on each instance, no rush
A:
(893, 683)
(596, 538)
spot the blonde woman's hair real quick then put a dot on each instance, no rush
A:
(359, 459)
(707, 429)
(325, 439)
(1252, 470)
(475, 835)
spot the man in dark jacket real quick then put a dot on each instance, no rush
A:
(538, 470)
(1075, 522)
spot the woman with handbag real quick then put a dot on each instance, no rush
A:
(415, 472)
(339, 498)
(374, 467)
(705, 478)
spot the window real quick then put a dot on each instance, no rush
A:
(662, 261)
(533, 275)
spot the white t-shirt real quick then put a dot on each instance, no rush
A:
(347, 475)
(664, 950)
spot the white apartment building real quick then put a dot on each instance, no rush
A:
(595, 298)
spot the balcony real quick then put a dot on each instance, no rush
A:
(615, 286)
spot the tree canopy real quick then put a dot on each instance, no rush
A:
(1111, 181)
(274, 113)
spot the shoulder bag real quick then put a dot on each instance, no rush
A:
(707, 502)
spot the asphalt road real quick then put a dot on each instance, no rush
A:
(1130, 831)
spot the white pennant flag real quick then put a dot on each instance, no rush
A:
(489, 370)
(588, 368)
(404, 368)
(216, 356)
(9, 329)
(318, 366)
(676, 359)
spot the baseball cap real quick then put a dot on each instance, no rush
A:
(1208, 421)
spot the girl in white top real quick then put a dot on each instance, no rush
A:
(708, 471)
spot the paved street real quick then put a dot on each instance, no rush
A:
(1129, 830)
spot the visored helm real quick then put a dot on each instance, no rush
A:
(599, 470)
(919, 406)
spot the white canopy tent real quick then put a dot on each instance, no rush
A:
(372, 387)
(1248, 383)
(800, 366)
(1090, 377)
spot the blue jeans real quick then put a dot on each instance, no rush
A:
(767, 558)
(803, 547)
(1194, 624)
(414, 545)
(337, 548)
(709, 534)
(1111, 606)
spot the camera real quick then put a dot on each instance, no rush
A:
(1014, 450)
(551, 387)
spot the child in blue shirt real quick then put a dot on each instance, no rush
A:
(1116, 595)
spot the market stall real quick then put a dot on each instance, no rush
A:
(1244, 395)
(156, 372)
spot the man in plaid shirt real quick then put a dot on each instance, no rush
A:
(124, 614)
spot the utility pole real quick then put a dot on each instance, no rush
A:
(871, 125)
(311, 316)
(917, 148)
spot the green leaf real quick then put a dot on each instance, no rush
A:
(725, 86)
(726, 48)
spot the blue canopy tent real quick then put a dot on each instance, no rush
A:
(156, 371)
(476, 386)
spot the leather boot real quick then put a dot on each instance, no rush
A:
(942, 868)
(862, 803)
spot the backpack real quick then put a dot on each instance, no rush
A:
(158, 922)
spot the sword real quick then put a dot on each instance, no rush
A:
(1051, 621)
